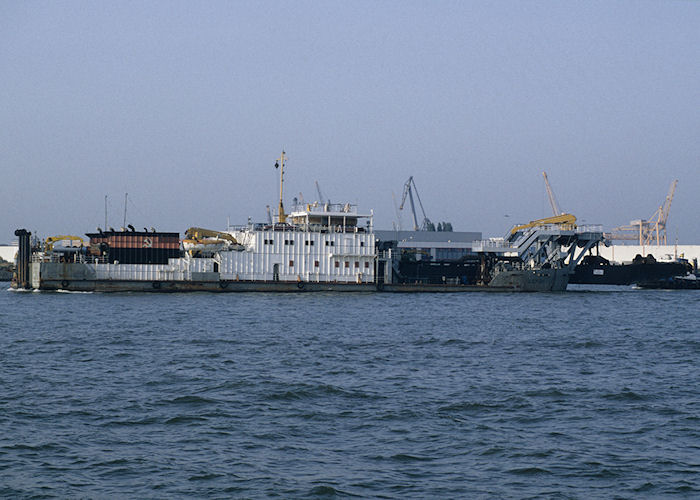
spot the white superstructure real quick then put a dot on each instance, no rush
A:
(322, 243)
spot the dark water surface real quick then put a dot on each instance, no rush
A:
(570, 395)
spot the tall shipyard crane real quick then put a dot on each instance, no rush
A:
(408, 189)
(649, 231)
(552, 199)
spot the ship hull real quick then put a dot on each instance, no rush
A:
(535, 280)
(626, 274)
(80, 278)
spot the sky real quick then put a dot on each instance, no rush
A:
(186, 105)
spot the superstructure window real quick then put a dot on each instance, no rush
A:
(357, 264)
(337, 264)
(347, 264)
(366, 265)
(291, 263)
(315, 263)
(362, 243)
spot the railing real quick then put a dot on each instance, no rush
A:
(590, 228)
(68, 258)
(315, 228)
(492, 243)
(320, 208)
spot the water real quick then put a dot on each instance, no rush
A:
(570, 395)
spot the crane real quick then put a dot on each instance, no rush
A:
(552, 199)
(657, 222)
(408, 190)
(321, 199)
(647, 231)
(52, 240)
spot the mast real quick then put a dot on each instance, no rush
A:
(282, 218)
(126, 196)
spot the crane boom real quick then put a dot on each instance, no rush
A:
(647, 231)
(407, 192)
(408, 189)
(657, 222)
(552, 199)
(321, 199)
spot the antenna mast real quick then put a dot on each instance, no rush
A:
(282, 218)
(105, 212)
(126, 196)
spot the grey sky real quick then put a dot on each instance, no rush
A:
(186, 105)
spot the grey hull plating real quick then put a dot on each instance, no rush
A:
(540, 280)
(81, 278)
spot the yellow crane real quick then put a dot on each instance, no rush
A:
(566, 221)
(560, 218)
(198, 233)
(647, 231)
(52, 240)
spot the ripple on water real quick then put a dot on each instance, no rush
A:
(324, 396)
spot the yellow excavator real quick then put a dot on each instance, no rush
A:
(51, 241)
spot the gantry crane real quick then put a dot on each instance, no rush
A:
(647, 231)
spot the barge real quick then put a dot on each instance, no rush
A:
(316, 247)
(597, 270)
